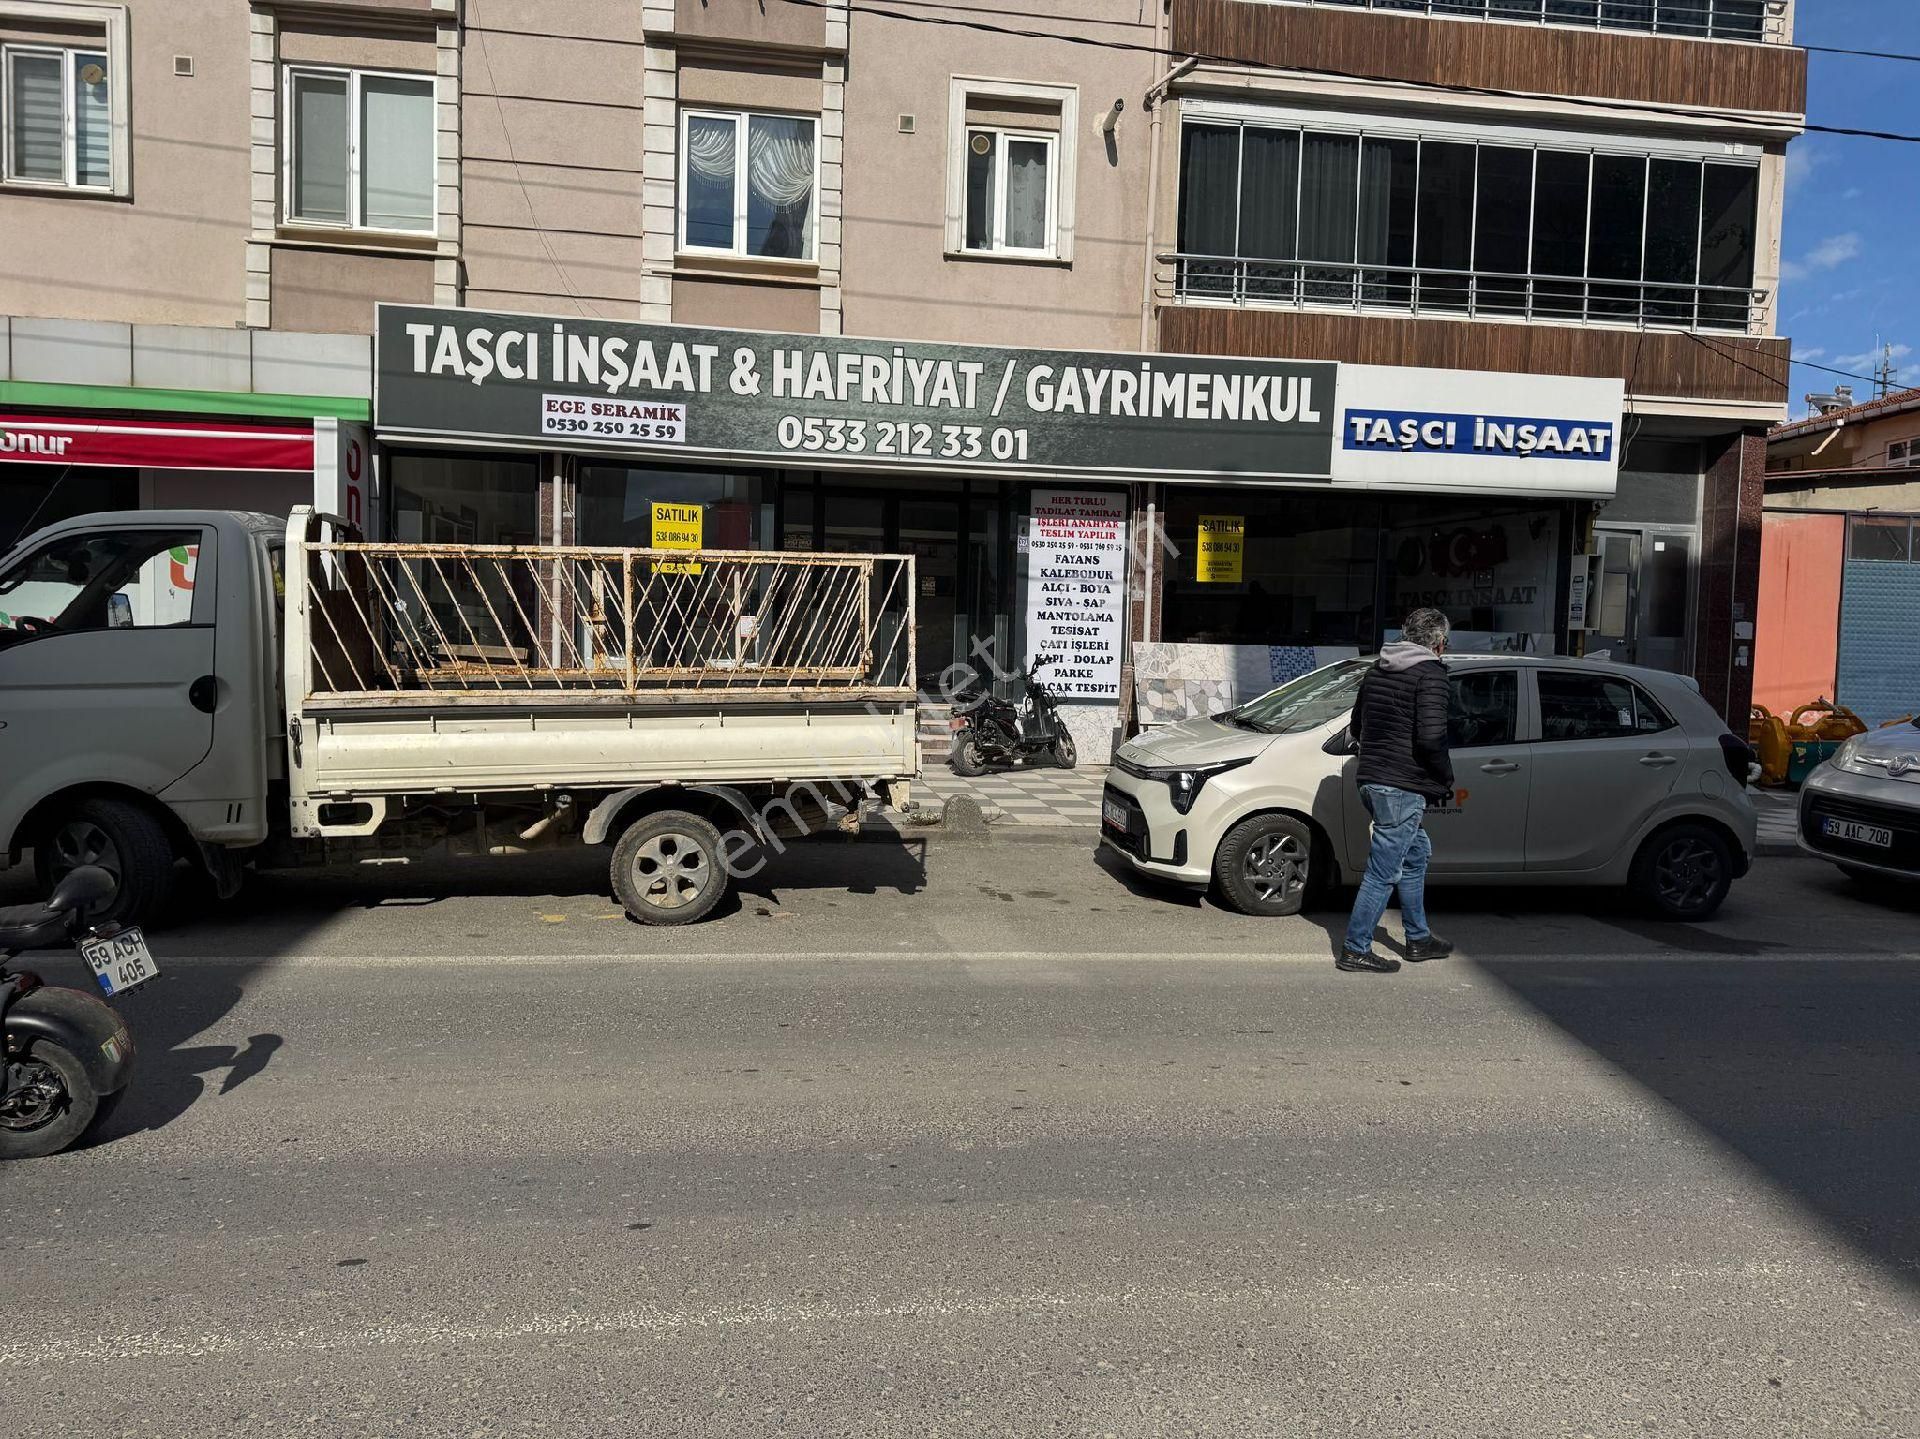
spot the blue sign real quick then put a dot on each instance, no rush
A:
(1518, 437)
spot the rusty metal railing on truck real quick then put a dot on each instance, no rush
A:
(388, 620)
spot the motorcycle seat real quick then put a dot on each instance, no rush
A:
(31, 926)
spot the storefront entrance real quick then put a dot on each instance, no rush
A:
(1646, 577)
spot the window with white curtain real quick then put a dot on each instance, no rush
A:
(56, 117)
(1010, 191)
(361, 151)
(747, 183)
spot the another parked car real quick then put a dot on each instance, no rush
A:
(1568, 772)
(1861, 809)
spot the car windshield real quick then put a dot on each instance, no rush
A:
(1305, 703)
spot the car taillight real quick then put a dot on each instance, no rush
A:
(1739, 757)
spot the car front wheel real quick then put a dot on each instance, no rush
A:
(1684, 872)
(1265, 865)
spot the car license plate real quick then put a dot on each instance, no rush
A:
(1114, 813)
(1858, 833)
(120, 963)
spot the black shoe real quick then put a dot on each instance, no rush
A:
(1432, 947)
(1368, 963)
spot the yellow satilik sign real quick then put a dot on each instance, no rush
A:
(1223, 550)
(677, 527)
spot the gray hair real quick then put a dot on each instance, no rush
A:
(1428, 628)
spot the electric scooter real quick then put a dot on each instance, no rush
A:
(991, 731)
(68, 1056)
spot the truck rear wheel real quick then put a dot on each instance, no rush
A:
(668, 868)
(121, 838)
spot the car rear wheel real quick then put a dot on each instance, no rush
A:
(1684, 872)
(1265, 865)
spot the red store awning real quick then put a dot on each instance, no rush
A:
(154, 444)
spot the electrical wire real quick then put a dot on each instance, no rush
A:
(987, 27)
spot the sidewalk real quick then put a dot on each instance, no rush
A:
(1042, 796)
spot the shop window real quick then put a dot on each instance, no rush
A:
(361, 150)
(35, 496)
(1879, 537)
(1284, 213)
(1492, 570)
(1010, 170)
(1589, 706)
(58, 117)
(1010, 191)
(747, 184)
(620, 505)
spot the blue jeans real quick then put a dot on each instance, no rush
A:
(1398, 858)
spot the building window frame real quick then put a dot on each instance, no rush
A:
(1062, 179)
(355, 78)
(111, 23)
(742, 121)
(1003, 138)
(1373, 286)
(1748, 22)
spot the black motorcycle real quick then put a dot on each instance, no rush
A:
(988, 730)
(68, 1056)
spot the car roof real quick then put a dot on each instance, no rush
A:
(1573, 662)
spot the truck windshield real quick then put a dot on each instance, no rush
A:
(1303, 704)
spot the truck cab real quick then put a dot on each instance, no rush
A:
(139, 710)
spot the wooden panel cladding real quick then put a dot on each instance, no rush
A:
(1653, 362)
(1542, 59)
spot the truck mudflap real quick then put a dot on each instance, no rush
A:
(90, 1029)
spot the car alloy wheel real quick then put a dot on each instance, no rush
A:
(1686, 873)
(1276, 866)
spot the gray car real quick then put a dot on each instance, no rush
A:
(1567, 771)
(1861, 809)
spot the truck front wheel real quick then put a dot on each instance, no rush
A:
(668, 868)
(121, 838)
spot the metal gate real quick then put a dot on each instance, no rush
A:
(1879, 675)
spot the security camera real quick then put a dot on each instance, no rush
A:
(1111, 119)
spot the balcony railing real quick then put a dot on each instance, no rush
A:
(1697, 19)
(1403, 289)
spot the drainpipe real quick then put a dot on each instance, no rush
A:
(1156, 97)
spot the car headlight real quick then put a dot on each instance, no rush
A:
(1185, 782)
(1843, 757)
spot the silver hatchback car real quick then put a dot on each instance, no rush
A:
(1567, 772)
(1861, 809)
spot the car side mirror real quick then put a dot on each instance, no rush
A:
(1341, 742)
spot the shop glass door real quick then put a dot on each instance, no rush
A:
(1642, 610)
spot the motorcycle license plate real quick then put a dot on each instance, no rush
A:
(1859, 833)
(121, 963)
(1114, 813)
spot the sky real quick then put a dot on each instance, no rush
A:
(1853, 206)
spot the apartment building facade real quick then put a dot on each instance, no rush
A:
(1179, 338)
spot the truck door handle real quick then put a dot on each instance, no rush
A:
(1499, 766)
(1657, 760)
(204, 694)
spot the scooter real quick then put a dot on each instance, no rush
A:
(991, 731)
(68, 1056)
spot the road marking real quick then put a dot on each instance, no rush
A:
(1462, 960)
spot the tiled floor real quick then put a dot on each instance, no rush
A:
(1036, 796)
(1779, 811)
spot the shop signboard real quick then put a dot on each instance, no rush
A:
(1221, 556)
(681, 391)
(1454, 431)
(1076, 589)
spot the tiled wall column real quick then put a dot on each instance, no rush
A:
(1728, 598)
(661, 98)
(447, 286)
(833, 104)
(264, 83)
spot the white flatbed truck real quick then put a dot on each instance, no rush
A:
(238, 691)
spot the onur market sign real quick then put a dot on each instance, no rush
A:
(676, 390)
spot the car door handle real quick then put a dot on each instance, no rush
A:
(1499, 766)
(1657, 761)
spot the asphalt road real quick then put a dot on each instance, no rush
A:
(978, 1139)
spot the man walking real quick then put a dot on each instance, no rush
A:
(1400, 724)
